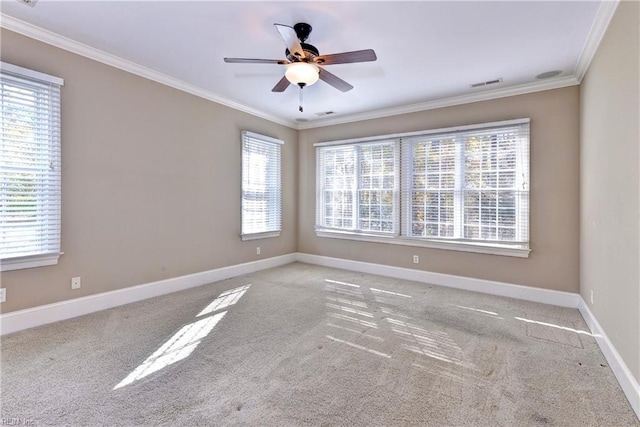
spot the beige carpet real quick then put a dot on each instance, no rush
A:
(307, 345)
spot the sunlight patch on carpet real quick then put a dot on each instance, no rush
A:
(552, 325)
(355, 331)
(182, 343)
(359, 347)
(477, 310)
(338, 282)
(178, 347)
(381, 291)
(349, 310)
(225, 300)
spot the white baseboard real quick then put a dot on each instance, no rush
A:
(36, 316)
(41, 315)
(624, 376)
(545, 296)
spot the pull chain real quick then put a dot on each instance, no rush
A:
(300, 107)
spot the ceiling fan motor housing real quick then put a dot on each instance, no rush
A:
(310, 52)
(303, 30)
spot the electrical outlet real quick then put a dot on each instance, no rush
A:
(75, 283)
(258, 250)
(416, 259)
(3, 294)
(591, 296)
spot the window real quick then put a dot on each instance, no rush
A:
(358, 187)
(30, 193)
(463, 188)
(261, 186)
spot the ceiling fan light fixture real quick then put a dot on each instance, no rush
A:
(302, 73)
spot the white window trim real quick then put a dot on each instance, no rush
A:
(478, 126)
(31, 73)
(426, 243)
(512, 250)
(256, 236)
(19, 263)
(40, 260)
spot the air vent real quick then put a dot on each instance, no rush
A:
(29, 2)
(302, 120)
(548, 74)
(487, 83)
(326, 113)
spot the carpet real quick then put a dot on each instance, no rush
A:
(308, 345)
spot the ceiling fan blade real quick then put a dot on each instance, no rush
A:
(281, 85)
(290, 39)
(347, 57)
(255, 61)
(334, 81)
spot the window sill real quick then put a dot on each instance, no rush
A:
(502, 250)
(256, 236)
(20, 263)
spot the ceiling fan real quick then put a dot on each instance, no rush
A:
(303, 61)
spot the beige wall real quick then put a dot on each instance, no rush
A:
(610, 185)
(553, 262)
(150, 181)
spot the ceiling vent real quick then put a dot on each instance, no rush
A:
(487, 83)
(29, 2)
(326, 113)
(548, 74)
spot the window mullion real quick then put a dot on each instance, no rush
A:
(355, 202)
(522, 186)
(406, 147)
(397, 188)
(458, 199)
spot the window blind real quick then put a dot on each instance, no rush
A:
(261, 186)
(30, 186)
(358, 187)
(466, 185)
(470, 186)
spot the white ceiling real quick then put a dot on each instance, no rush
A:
(428, 52)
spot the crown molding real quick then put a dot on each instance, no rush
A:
(65, 43)
(598, 29)
(605, 12)
(447, 102)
